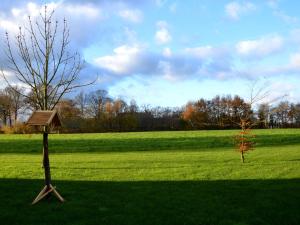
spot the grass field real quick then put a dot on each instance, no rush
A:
(155, 178)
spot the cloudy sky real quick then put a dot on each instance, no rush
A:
(168, 52)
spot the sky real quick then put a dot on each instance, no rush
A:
(169, 52)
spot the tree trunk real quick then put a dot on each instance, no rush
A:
(46, 163)
(242, 157)
(10, 120)
(4, 119)
(16, 117)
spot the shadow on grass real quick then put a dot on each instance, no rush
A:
(154, 202)
(27, 145)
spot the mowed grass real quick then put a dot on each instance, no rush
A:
(143, 141)
(192, 177)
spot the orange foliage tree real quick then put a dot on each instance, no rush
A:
(245, 140)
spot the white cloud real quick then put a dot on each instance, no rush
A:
(72, 12)
(130, 60)
(198, 63)
(202, 62)
(162, 35)
(131, 15)
(18, 16)
(122, 61)
(16, 12)
(260, 47)
(9, 75)
(9, 26)
(235, 9)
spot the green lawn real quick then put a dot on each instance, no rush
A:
(155, 178)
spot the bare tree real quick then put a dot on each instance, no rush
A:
(5, 108)
(96, 101)
(40, 59)
(16, 100)
(263, 115)
(81, 102)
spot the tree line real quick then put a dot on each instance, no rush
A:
(96, 111)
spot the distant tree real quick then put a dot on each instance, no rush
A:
(297, 115)
(216, 111)
(119, 106)
(263, 115)
(96, 101)
(292, 112)
(188, 114)
(281, 112)
(201, 114)
(81, 101)
(5, 108)
(133, 107)
(69, 114)
(16, 100)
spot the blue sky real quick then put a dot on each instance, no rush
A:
(169, 52)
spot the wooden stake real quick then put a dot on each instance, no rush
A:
(39, 195)
(46, 191)
(57, 194)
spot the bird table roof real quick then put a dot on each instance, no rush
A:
(44, 118)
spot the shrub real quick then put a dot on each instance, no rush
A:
(18, 128)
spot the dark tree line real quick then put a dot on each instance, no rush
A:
(96, 111)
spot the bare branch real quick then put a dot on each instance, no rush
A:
(40, 59)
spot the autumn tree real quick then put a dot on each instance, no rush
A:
(188, 113)
(69, 114)
(259, 92)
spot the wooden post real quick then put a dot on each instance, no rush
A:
(46, 162)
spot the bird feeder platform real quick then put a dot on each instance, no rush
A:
(46, 119)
